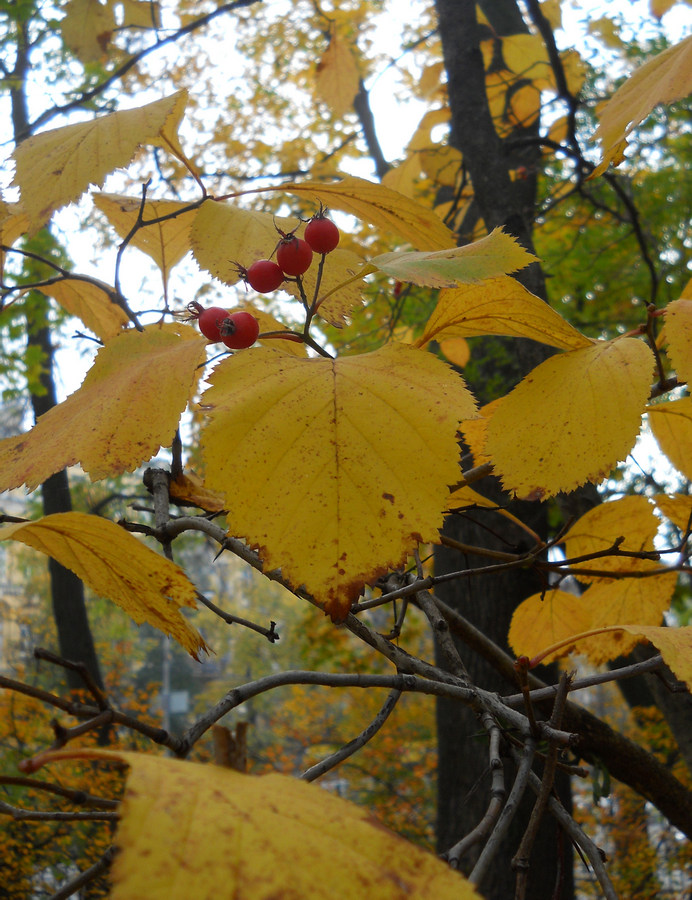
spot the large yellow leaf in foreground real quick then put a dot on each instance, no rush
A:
(128, 406)
(499, 306)
(671, 423)
(571, 419)
(334, 468)
(189, 830)
(116, 565)
(56, 167)
(663, 79)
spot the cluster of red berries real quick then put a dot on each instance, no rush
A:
(293, 255)
(236, 330)
(293, 258)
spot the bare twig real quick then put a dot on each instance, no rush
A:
(349, 749)
(32, 815)
(521, 859)
(80, 668)
(572, 829)
(236, 696)
(497, 798)
(270, 633)
(72, 886)
(80, 797)
(509, 810)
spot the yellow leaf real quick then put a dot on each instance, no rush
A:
(575, 70)
(165, 242)
(91, 304)
(552, 10)
(54, 168)
(475, 432)
(116, 565)
(189, 830)
(545, 619)
(600, 528)
(465, 497)
(678, 317)
(224, 235)
(337, 79)
(671, 423)
(658, 8)
(141, 14)
(14, 222)
(640, 600)
(360, 450)
(675, 645)
(677, 508)
(663, 79)
(455, 350)
(496, 254)
(381, 207)
(422, 138)
(341, 292)
(526, 56)
(571, 419)
(87, 28)
(431, 78)
(190, 490)
(441, 163)
(500, 306)
(402, 177)
(607, 31)
(99, 425)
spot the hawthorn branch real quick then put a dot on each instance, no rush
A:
(520, 862)
(497, 797)
(33, 815)
(627, 761)
(509, 810)
(81, 798)
(349, 749)
(72, 886)
(576, 834)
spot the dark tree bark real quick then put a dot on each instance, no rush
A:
(496, 366)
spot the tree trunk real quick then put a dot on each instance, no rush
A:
(496, 366)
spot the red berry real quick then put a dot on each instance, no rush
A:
(294, 255)
(209, 321)
(264, 276)
(239, 330)
(322, 234)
